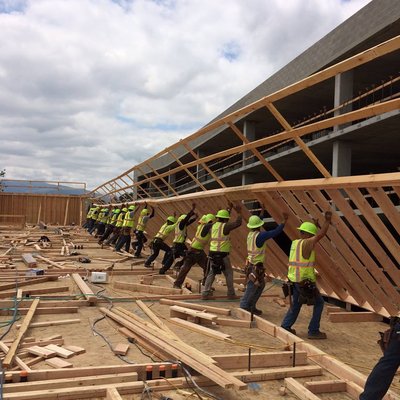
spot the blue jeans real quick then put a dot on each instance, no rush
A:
(381, 376)
(291, 316)
(251, 295)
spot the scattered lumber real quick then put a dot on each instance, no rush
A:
(361, 316)
(233, 322)
(113, 394)
(75, 349)
(84, 288)
(328, 386)
(197, 316)
(25, 326)
(138, 287)
(19, 362)
(121, 349)
(200, 329)
(59, 351)
(41, 351)
(299, 390)
(187, 355)
(52, 323)
(48, 261)
(200, 307)
(29, 260)
(57, 362)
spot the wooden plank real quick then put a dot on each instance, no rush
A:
(59, 351)
(113, 394)
(328, 386)
(299, 390)
(71, 382)
(138, 287)
(155, 319)
(58, 363)
(42, 310)
(35, 292)
(362, 316)
(200, 307)
(52, 323)
(200, 329)
(33, 281)
(75, 349)
(41, 351)
(260, 360)
(84, 288)
(233, 322)
(29, 260)
(19, 362)
(121, 349)
(50, 262)
(25, 326)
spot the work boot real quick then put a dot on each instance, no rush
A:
(317, 335)
(256, 311)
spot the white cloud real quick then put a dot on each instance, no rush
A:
(89, 88)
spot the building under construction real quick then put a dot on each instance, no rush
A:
(320, 134)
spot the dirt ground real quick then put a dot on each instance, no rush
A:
(352, 343)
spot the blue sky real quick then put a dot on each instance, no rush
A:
(89, 88)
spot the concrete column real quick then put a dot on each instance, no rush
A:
(201, 173)
(249, 131)
(341, 158)
(171, 181)
(343, 93)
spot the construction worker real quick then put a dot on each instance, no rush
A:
(158, 243)
(111, 221)
(126, 229)
(220, 247)
(88, 216)
(118, 226)
(144, 217)
(178, 245)
(93, 217)
(104, 215)
(381, 376)
(255, 269)
(96, 225)
(196, 253)
(302, 277)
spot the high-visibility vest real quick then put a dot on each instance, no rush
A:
(142, 221)
(219, 241)
(89, 214)
(114, 218)
(300, 268)
(128, 220)
(94, 213)
(120, 219)
(199, 241)
(255, 254)
(165, 230)
(180, 234)
(104, 215)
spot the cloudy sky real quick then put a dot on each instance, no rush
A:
(89, 88)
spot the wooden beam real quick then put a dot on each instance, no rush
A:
(85, 289)
(113, 394)
(200, 329)
(8, 360)
(299, 390)
(328, 386)
(52, 323)
(362, 316)
(194, 306)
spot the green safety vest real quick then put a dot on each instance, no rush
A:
(128, 220)
(142, 221)
(180, 234)
(120, 219)
(165, 230)
(255, 254)
(199, 241)
(219, 241)
(114, 218)
(300, 268)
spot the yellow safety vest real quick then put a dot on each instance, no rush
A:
(219, 241)
(104, 215)
(114, 218)
(165, 230)
(89, 214)
(255, 254)
(128, 220)
(180, 234)
(141, 225)
(300, 268)
(120, 219)
(94, 214)
(199, 241)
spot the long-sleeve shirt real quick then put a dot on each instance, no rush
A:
(265, 235)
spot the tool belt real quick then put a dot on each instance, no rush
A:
(308, 292)
(216, 262)
(386, 337)
(255, 273)
(287, 288)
